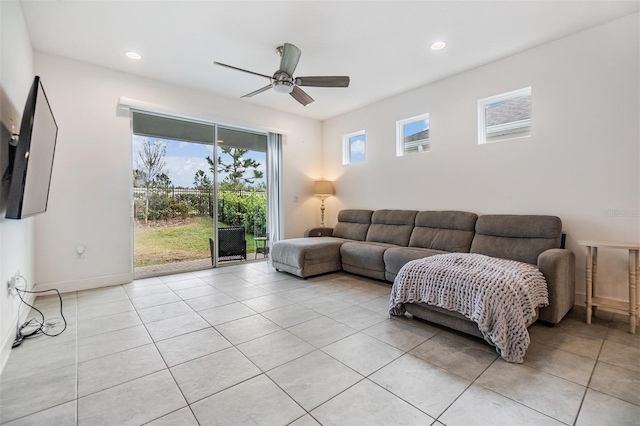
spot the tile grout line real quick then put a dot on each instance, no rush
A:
(593, 370)
(265, 372)
(168, 370)
(328, 295)
(232, 345)
(118, 352)
(320, 349)
(75, 400)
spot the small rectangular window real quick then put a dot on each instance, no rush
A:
(412, 135)
(505, 116)
(353, 147)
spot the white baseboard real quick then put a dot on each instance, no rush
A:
(86, 283)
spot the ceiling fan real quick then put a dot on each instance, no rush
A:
(283, 80)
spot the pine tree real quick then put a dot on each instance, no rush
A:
(235, 171)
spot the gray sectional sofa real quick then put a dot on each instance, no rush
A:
(377, 244)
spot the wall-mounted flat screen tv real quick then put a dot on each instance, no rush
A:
(32, 163)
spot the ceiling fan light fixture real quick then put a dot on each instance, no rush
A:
(283, 86)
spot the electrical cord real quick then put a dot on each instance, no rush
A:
(41, 325)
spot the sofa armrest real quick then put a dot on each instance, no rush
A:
(558, 267)
(318, 232)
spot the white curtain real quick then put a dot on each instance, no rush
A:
(274, 190)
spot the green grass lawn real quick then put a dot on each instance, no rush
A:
(155, 245)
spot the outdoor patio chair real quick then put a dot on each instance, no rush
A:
(232, 244)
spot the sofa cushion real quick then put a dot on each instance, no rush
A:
(391, 226)
(364, 258)
(516, 237)
(353, 224)
(450, 231)
(396, 257)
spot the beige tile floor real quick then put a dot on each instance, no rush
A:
(245, 344)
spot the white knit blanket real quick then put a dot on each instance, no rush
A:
(500, 295)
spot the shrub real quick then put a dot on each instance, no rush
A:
(248, 209)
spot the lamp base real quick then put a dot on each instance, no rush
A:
(322, 213)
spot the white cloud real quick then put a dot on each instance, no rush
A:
(181, 170)
(357, 147)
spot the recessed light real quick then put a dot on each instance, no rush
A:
(133, 55)
(438, 45)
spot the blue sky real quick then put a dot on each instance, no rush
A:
(356, 149)
(415, 127)
(491, 105)
(184, 159)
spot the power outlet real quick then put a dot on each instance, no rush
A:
(13, 282)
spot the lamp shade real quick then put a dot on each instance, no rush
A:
(323, 187)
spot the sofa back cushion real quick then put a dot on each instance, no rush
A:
(353, 224)
(516, 237)
(450, 231)
(391, 226)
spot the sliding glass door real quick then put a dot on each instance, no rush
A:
(199, 195)
(242, 192)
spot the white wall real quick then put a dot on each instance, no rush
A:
(89, 201)
(582, 158)
(16, 237)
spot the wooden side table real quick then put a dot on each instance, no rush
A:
(594, 301)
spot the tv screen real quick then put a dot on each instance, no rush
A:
(33, 157)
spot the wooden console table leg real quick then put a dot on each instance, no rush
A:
(594, 290)
(633, 291)
(589, 279)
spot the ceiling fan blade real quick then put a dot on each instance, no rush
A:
(248, 95)
(301, 96)
(290, 57)
(334, 81)
(240, 69)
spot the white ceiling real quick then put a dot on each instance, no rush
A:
(383, 46)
